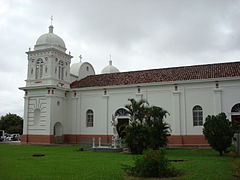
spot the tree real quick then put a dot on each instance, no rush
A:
(158, 129)
(146, 128)
(137, 109)
(219, 132)
(136, 133)
(11, 123)
(137, 138)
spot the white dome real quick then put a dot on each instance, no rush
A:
(109, 69)
(50, 40)
(82, 69)
(74, 70)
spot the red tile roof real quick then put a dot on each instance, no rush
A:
(206, 71)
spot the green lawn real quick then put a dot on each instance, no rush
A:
(65, 163)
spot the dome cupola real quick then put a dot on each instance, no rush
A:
(109, 69)
(49, 40)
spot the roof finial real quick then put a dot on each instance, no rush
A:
(80, 57)
(110, 59)
(51, 26)
(51, 18)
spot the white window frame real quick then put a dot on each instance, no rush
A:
(89, 118)
(197, 112)
(61, 70)
(39, 69)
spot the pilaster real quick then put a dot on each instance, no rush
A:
(108, 120)
(75, 100)
(217, 100)
(176, 113)
(25, 119)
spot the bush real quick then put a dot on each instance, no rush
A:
(136, 137)
(152, 164)
(219, 132)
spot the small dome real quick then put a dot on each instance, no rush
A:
(82, 69)
(50, 40)
(74, 70)
(109, 69)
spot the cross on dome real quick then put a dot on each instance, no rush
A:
(110, 59)
(80, 57)
(109, 68)
(51, 26)
(51, 18)
(50, 40)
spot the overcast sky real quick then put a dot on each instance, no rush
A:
(139, 34)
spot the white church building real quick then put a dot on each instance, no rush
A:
(69, 103)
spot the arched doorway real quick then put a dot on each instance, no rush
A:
(235, 114)
(122, 116)
(58, 133)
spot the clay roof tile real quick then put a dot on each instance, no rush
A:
(220, 70)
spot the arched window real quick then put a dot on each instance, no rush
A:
(39, 69)
(235, 111)
(89, 118)
(197, 116)
(121, 112)
(60, 70)
(236, 108)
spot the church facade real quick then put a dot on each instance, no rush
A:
(66, 103)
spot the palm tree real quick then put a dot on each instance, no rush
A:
(147, 128)
(155, 114)
(136, 132)
(158, 129)
(137, 110)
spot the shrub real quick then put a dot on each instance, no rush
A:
(136, 137)
(152, 164)
(219, 132)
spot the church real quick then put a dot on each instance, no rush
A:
(69, 103)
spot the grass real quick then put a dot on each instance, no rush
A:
(65, 163)
(236, 167)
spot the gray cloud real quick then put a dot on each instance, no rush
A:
(139, 34)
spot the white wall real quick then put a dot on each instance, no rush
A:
(230, 96)
(188, 95)
(72, 108)
(36, 99)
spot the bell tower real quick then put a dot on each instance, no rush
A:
(48, 64)
(47, 86)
